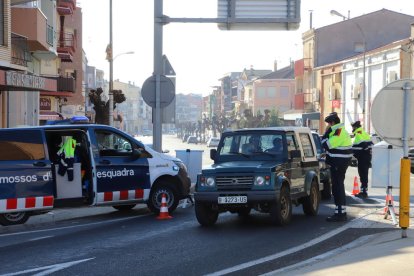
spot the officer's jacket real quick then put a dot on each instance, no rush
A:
(337, 142)
(362, 142)
(68, 148)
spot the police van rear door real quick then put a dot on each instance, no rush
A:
(121, 176)
(26, 181)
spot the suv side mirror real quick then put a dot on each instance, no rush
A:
(213, 154)
(295, 154)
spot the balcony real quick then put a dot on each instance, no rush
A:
(19, 50)
(66, 46)
(66, 7)
(32, 24)
(66, 84)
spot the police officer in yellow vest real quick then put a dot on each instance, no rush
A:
(338, 145)
(66, 154)
(362, 151)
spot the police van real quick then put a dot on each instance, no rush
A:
(108, 168)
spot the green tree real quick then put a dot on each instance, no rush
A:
(102, 107)
(274, 118)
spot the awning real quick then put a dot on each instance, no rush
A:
(50, 115)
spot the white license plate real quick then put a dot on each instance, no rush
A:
(232, 199)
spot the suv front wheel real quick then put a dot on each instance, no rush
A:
(205, 215)
(281, 212)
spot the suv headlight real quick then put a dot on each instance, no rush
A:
(262, 180)
(207, 181)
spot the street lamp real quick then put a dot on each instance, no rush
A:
(334, 12)
(111, 58)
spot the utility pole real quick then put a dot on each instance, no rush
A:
(111, 65)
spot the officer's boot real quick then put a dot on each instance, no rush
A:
(363, 193)
(340, 214)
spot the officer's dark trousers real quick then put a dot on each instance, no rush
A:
(364, 162)
(338, 170)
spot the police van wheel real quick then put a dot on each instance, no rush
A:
(205, 215)
(311, 202)
(281, 212)
(155, 198)
(124, 207)
(14, 218)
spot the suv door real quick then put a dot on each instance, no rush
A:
(296, 174)
(121, 176)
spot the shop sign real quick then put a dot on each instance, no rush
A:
(45, 103)
(336, 104)
(23, 80)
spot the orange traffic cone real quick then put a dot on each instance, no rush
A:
(355, 190)
(389, 201)
(164, 209)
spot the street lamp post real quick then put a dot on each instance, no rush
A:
(111, 58)
(366, 122)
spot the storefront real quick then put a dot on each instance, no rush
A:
(20, 97)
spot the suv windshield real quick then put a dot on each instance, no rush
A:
(253, 145)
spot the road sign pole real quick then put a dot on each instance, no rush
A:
(158, 36)
(405, 165)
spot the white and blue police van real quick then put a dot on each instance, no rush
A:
(110, 168)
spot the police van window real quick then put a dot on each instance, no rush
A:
(112, 144)
(21, 145)
(306, 145)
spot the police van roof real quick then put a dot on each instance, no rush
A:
(73, 120)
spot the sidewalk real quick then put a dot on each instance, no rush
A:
(385, 253)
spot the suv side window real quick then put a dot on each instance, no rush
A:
(21, 145)
(306, 145)
(112, 144)
(292, 144)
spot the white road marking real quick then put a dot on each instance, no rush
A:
(358, 222)
(72, 226)
(41, 238)
(46, 270)
(323, 256)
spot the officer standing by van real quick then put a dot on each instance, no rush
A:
(338, 145)
(362, 151)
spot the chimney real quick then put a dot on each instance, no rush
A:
(275, 66)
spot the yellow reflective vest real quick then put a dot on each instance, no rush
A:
(338, 143)
(68, 147)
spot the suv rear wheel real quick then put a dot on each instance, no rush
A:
(311, 202)
(205, 215)
(281, 212)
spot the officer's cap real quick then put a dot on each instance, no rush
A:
(332, 117)
(356, 124)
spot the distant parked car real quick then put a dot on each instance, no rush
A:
(213, 142)
(192, 140)
(185, 137)
(146, 133)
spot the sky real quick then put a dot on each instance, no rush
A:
(200, 53)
